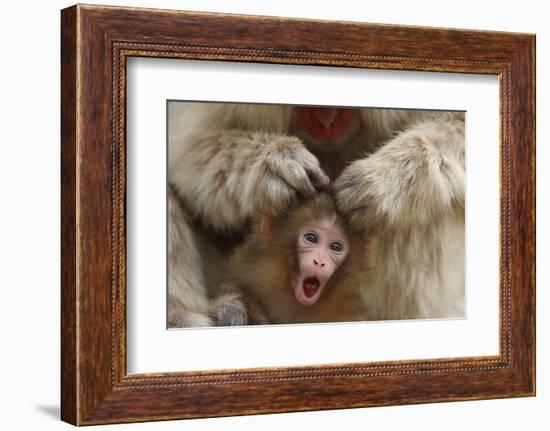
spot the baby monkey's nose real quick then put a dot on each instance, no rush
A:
(316, 262)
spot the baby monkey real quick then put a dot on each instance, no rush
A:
(304, 266)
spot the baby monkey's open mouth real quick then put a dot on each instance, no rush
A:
(308, 290)
(311, 286)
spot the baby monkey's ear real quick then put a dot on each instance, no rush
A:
(266, 226)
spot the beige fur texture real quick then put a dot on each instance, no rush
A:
(411, 194)
(404, 183)
(188, 301)
(229, 161)
(195, 297)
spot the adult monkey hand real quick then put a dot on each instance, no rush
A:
(415, 178)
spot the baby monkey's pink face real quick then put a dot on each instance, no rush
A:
(322, 247)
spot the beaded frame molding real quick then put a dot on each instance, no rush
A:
(95, 43)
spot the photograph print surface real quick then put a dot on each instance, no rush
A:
(281, 214)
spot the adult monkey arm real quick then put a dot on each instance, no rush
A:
(410, 191)
(188, 303)
(228, 161)
(414, 178)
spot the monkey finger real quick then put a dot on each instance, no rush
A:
(316, 176)
(318, 179)
(360, 210)
(273, 194)
(298, 178)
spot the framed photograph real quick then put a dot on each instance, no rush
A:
(266, 215)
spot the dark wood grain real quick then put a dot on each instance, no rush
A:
(68, 217)
(96, 41)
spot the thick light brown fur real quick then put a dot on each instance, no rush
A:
(262, 268)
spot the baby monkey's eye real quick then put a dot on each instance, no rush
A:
(311, 237)
(336, 246)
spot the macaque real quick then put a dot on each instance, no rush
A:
(399, 173)
(304, 266)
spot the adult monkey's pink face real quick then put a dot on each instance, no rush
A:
(326, 131)
(321, 247)
(327, 127)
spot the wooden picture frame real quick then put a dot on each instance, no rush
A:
(95, 43)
